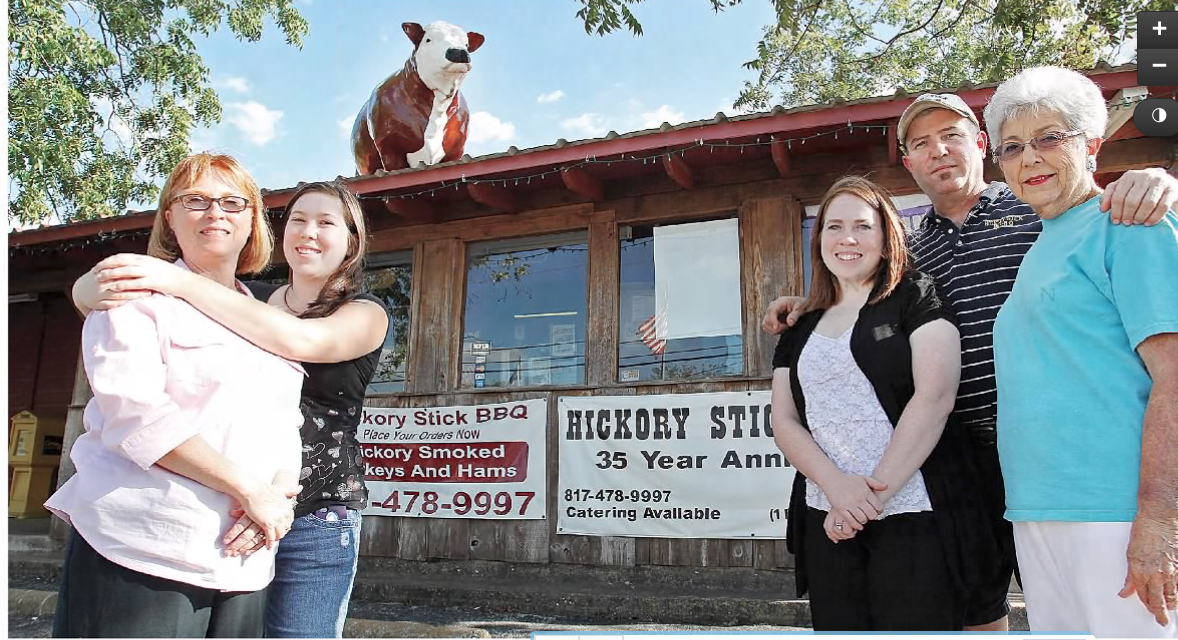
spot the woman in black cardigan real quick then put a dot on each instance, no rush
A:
(884, 517)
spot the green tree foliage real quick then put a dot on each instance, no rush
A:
(103, 94)
(819, 50)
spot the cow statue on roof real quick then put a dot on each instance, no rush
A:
(417, 114)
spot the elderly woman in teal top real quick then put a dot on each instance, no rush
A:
(1086, 357)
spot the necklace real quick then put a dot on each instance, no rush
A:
(286, 299)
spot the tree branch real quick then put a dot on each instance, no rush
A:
(902, 34)
(855, 23)
(773, 77)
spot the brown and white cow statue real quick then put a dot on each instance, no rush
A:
(417, 114)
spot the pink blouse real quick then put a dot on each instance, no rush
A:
(163, 372)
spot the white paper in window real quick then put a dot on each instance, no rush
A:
(697, 278)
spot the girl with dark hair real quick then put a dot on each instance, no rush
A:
(862, 387)
(322, 320)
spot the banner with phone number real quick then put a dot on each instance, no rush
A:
(484, 461)
(692, 465)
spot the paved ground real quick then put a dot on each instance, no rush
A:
(388, 620)
(23, 627)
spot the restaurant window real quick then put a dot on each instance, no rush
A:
(388, 276)
(679, 305)
(525, 312)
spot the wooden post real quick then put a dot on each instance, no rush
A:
(436, 327)
(601, 335)
(74, 427)
(771, 266)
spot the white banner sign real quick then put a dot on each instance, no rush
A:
(675, 466)
(484, 461)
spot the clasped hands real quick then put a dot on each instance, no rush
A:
(264, 516)
(854, 501)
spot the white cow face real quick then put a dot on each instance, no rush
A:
(442, 54)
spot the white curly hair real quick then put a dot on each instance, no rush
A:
(1039, 90)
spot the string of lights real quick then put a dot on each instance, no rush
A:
(711, 145)
(100, 238)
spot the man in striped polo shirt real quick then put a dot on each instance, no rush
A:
(972, 243)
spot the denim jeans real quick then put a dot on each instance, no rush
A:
(313, 575)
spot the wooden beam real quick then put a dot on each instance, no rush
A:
(679, 170)
(582, 183)
(1128, 131)
(893, 145)
(1139, 153)
(534, 222)
(499, 198)
(413, 210)
(780, 157)
(44, 280)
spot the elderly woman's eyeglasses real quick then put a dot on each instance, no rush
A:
(228, 204)
(1010, 150)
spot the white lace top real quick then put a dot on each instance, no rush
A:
(847, 421)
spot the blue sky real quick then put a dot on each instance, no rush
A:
(539, 77)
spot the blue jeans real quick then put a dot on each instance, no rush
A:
(313, 575)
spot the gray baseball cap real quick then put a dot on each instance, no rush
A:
(933, 101)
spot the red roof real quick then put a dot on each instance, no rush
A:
(779, 121)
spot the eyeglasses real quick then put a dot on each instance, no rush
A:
(1010, 150)
(197, 202)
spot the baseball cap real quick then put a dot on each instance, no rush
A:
(933, 101)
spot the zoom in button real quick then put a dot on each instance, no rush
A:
(1156, 117)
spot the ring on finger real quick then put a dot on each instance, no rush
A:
(838, 525)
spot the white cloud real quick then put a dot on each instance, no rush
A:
(345, 126)
(485, 127)
(545, 98)
(199, 141)
(240, 85)
(255, 121)
(589, 125)
(652, 119)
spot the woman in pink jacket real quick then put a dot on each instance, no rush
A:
(178, 434)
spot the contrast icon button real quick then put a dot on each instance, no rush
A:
(1156, 117)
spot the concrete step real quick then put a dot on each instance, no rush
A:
(710, 597)
(30, 534)
(33, 543)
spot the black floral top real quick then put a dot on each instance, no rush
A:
(332, 403)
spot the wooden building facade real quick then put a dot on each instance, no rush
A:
(449, 238)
